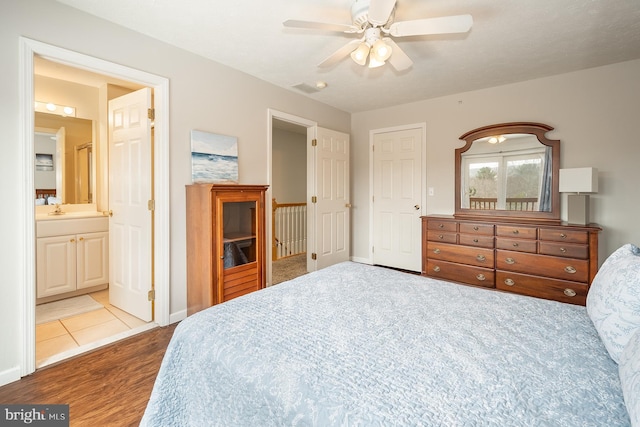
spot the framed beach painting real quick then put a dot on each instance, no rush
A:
(214, 157)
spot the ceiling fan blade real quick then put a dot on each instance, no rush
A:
(380, 10)
(339, 54)
(443, 25)
(398, 59)
(341, 28)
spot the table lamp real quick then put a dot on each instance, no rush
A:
(578, 181)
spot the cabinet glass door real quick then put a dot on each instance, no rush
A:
(239, 233)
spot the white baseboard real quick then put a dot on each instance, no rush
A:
(178, 316)
(10, 375)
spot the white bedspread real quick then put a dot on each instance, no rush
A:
(356, 345)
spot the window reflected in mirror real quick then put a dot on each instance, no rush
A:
(509, 177)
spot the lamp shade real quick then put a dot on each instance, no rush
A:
(360, 54)
(578, 180)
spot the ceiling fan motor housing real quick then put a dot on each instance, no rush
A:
(360, 14)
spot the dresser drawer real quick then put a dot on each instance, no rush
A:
(473, 240)
(564, 250)
(576, 270)
(442, 225)
(476, 228)
(442, 236)
(520, 245)
(461, 273)
(558, 290)
(516, 231)
(563, 235)
(480, 257)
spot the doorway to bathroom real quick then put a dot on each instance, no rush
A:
(112, 323)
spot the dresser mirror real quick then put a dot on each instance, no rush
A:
(508, 171)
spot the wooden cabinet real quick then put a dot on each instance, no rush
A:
(542, 260)
(226, 244)
(70, 264)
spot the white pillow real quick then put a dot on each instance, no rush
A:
(630, 377)
(613, 301)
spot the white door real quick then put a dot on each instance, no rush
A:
(397, 199)
(130, 190)
(332, 208)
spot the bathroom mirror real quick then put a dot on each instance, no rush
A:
(65, 160)
(508, 171)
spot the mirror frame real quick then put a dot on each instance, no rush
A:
(537, 129)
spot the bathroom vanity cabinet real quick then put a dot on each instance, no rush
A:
(72, 257)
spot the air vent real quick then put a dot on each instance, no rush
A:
(303, 87)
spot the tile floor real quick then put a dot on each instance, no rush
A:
(67, 334)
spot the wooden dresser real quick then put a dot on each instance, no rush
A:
(544, 260)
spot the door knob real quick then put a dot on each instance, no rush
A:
(417, 207)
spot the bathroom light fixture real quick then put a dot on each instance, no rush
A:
(578, 181)
(52, 108)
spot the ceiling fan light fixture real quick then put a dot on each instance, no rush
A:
(374, 62)
(381, 51)
(359, 55)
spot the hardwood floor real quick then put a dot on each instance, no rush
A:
(107, 387)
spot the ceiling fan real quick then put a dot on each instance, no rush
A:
(374, 21)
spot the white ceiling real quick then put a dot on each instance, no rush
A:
(511, 41)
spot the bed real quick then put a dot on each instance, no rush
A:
(359, 345)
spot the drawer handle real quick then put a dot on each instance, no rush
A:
(475, 227)
(481, 258)
(563, 250)
(436, 251)
(440, 236)
(475, 240)
(72, 240)
(510, 261)
(480, 277)
(436, 269)
(564, 236)
(509, 282)
(569, 269)
(515, 245)
(515, 232)
(570, 292)
(440, 225)
(80, 239)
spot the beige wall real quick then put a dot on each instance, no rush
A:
(203, 95)
(289, 159)
(594, 113)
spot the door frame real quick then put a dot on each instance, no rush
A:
(423, 173)
(161, 269)
(312, 129)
